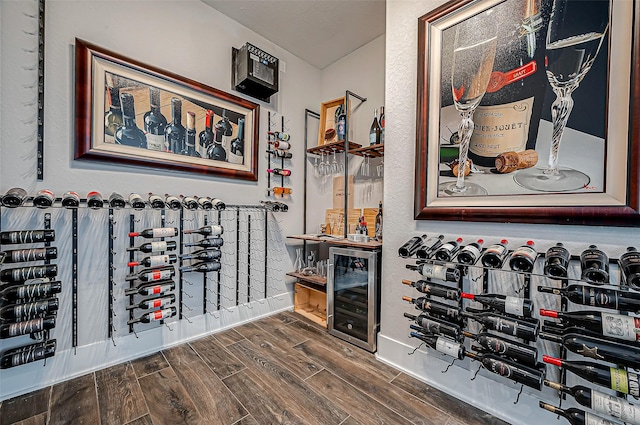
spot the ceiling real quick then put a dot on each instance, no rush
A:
(317, 31)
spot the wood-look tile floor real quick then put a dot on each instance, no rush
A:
(279, 370)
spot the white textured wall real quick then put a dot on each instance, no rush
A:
(400, 96)
(188, 38)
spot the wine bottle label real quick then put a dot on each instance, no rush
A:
(109, 138)
(624, 382)
(599, 297)
(28, 236)
(158, 260)
(525, 251)
(160, 315)
(615, 407)
(590, 419)
(622, 327)
(497, 250)
(28, 255)
(514, 305)
(160, 289)
(158, 275)
(470, 250)
(158, 246)
(494, 345)
(163, 232)
(28, 356)
(447, 247)
(508, 327)
(156, 304)
(33, 290)
(26, 327)
(499, 368)
(372, 138)
(448, 347)
(155, 142)
(24, 311)
(235, 159)
(501, 128)
(434, 271)
(430, 326)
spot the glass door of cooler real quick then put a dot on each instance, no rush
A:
(352, 296)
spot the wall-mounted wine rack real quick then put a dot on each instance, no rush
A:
(275, 153)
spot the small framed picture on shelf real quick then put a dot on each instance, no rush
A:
(332, 121)
(134, 114)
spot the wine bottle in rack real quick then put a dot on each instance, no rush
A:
(152, 303)
(515, 306)
(620, 380)
(203, 255)
(434, 290)
(411, 246)
(189, 147)
(156, 288)
(557, 261)
(434, 271)
(280, 154)
(433, 325)
(443, 311)
(155, 201)
(30, 291)
(594, 264)
(202, 267)
(155, 261)
(279, 171)
(136, 201)
(236, 149)
(508, 326)
(447, 251)
(630, 267)
(441, 344)
(44, 198)
(204, 202)
(154, 316)
(277, 144)
(94, 200)
(469, 254)
(606, 404)
(495, 254)
(279, 135)
(618, 326)
(172, 202)
(129, 134)
(207, 243)
(272, 205)
(149, 275)
(27, 236)
(9, 330)
(577, 416)
(27, 354)
(22, 274)
(29, 310)
(218, 204)
(212, 230)
(521, 353)
(523, 258)
(597, 348)
(381, 121)
(174, 133)
(189, 202)
(375, 131)
(150, 247)
(281, 190)
(30, 254)
(154, 122)
(14, 197)
(116, 200)
(597, 297)
(71, 199)
(206, 136)
(113, 117)
(157, 232)
(429, 246)
(504, 367)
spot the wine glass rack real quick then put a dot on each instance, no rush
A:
(519, 284)
(247, 236)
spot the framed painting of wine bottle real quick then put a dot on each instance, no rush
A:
(529, 111)
(130, 113)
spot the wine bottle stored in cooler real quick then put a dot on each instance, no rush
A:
(172, 202)
(625, 382)
(630, 267)
(594, 264)
(175, 132)
(155, 261)
(189, 147)
(14, 197)
(154, 122)
(153, 275)
(411, 246)
(469, 254)
(212, 230)
(129, 134)
(9, 330)
(28, 311)
(116, 200)
(150, 247)
(446, 251)
(136, 201)
(441, 344)
(30, 291)
(202, 267)
(206, 136)
(433, 325)
(236, 149)
(70, 199)
(509, 326)
(375, 131)
(503, 303)
(521, 353)
(429, 246)
(557, 261)
(434, 290)
(207, 243)
(154, 316)
(495, 254)
(577, 416)
(435, 271)
(155, 288)
(157, 232)
(523, 258)
(597, 297)
(151, 303)
(443, 311)
(22, 274)
(27, 236)
(44, 198)
(618, 326)
(27, 354)
(30, 254)
(504, 367)
(94, 200)
(606, 404)
(203, 255)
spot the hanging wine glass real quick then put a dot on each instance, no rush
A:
(474, 51)
(575, 34)
(299, 264)
(335, 169)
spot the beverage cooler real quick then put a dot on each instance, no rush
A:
(353, 295)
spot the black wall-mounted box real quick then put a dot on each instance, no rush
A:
(255, 72)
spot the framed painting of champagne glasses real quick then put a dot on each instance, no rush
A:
(529, 111)
(134, 114)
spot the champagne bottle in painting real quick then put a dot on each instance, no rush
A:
(508, 117)
(174, 133)
(113, 117)
(129, 134)
(206, 136)
(236, 151)
(154, 122)
(226, 130)
(189, 147)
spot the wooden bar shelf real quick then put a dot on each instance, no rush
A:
(313, 279)
(332, 240)
(372, 151)
(332, 147)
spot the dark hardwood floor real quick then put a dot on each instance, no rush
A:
(279, 370)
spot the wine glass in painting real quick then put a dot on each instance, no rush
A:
(474, 51)
(575, 34)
